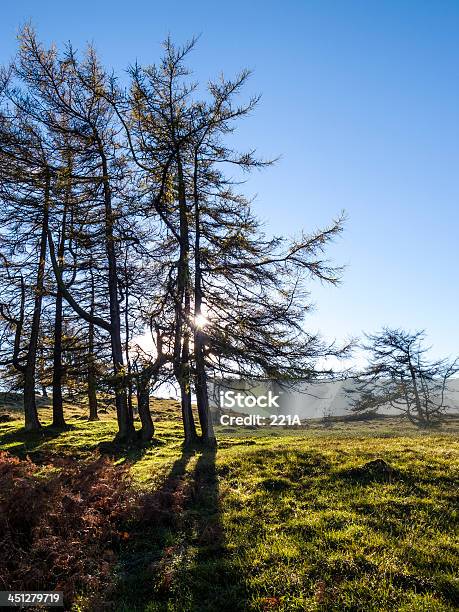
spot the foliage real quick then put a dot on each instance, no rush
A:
(60, 527)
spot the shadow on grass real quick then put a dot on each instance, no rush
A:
(22, 443)
(33, 444)
(128, 452)
(178, 559)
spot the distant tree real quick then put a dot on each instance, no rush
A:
(400, 375)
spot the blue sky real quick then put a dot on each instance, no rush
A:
(360, 99)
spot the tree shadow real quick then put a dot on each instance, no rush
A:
(178, 557)
(153, 529)
(127, 452)
(22, 443)
(215, 581)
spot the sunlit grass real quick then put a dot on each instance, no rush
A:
(283, 521)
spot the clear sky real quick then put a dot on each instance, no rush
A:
(361, 100)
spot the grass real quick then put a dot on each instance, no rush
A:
(277, 520)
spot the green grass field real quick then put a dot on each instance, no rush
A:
(277, 520)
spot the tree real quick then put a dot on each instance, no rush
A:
(400, 375)
(140, 229)
(67, 101)
(25, 193)
(227, 275)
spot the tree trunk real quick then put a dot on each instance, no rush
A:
(58, 406)
(189, 427)
(202, 396)
(92, 393)
(147, 431)
(58, 409)
(92, 396)
(127, 337)
(32, 422)
(126, 430)
(186, 369)
(91, 381)
(419, 410)
(182, 306)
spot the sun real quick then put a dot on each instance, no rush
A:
(201, 321)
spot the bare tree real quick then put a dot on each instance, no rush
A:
(400, 375)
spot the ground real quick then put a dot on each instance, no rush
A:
(353, 517)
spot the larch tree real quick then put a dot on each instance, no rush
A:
(65, 93)
(400, 376)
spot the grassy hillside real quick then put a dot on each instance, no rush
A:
(359, 517)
